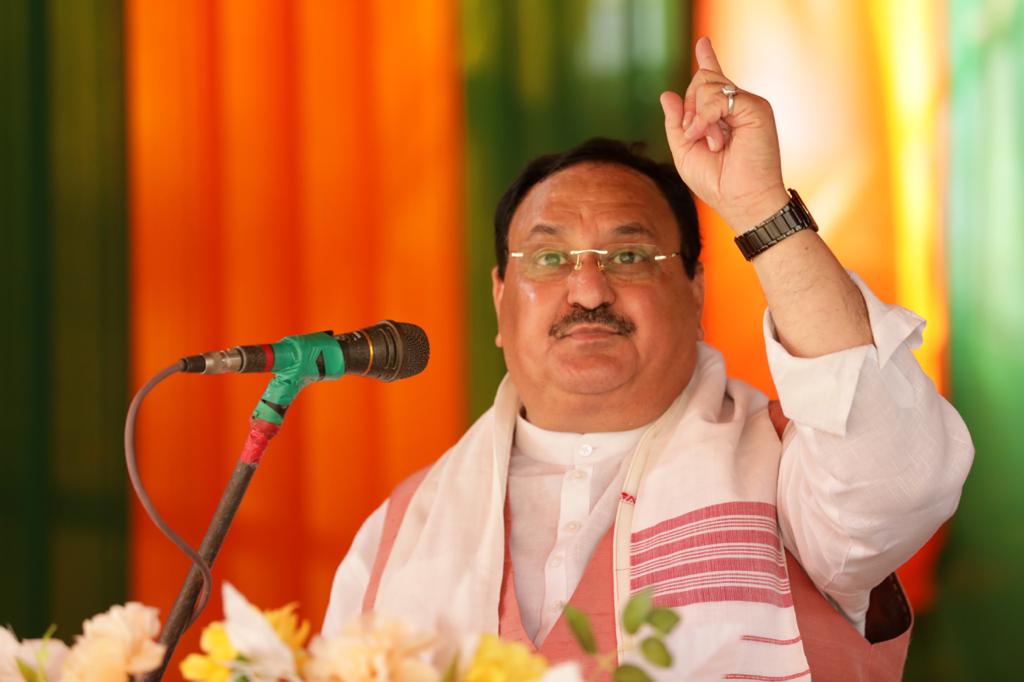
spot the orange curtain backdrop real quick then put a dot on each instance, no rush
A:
(294, 167)
(858, 92)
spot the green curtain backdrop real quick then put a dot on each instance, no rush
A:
(974, 631)
(541, 76)
(62, 486)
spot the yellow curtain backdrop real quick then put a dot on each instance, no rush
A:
(858, 91)
(294, 167)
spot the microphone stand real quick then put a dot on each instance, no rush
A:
(183, 611)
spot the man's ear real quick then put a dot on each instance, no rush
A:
(697, 288)
(497, 289)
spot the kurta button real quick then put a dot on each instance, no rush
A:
(579, 474)
(572, 526)
(586, 449)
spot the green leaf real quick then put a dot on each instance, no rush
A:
(635, 613)
(43, 653)
(663, 620)
(27, 672)
(581, 630)
(628, 672)
(655, 652)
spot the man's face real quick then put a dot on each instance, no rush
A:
(589, 349)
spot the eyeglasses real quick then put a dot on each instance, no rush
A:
(626, 262)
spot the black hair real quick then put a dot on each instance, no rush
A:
(603, 150)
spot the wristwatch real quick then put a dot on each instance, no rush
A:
(790, 219)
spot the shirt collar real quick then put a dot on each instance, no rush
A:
(568, 449)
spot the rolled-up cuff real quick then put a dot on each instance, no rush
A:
(818, 392)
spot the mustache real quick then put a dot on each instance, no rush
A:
(602, 315)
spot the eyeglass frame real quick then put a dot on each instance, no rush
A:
(578, 253)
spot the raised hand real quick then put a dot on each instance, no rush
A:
(730, 159)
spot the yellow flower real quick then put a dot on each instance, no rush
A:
(286, 624)
(498, 661)
(255, 646)
(215, 666)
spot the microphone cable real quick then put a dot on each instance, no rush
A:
(140, 490)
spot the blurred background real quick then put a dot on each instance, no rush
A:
(185, 175)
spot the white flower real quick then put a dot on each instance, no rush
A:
(563, 672)
(267, 658)
(114, 645)
(48, 652)
(8, 652)
(371, 649)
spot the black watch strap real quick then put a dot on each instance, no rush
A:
(790, 219)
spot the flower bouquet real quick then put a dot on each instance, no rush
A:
(251, 645)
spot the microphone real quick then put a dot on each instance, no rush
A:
(386, 351)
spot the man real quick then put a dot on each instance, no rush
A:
(619, 457)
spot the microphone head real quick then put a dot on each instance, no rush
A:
(415, 349)
(387, 351)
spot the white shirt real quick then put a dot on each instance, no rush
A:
(563, 489)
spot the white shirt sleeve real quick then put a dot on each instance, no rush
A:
(873, 459)
(353, 575)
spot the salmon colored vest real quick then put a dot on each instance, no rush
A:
(835, 651)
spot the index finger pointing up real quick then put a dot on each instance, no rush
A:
(706, 58)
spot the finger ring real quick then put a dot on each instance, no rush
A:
(730, 92)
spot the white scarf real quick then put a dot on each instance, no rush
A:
(702, 532)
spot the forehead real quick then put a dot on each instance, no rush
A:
(594, 199)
